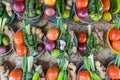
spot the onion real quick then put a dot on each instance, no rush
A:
(18, 7)
(50, 45)
(3, 49)
(82, 13)
(49, 12)
(19, 18)
(40, 47)
(82, 48)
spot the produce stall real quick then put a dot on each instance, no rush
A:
(59, 40)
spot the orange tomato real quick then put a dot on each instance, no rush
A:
(113, 72)
(83, 75)
(50, 3)
(116, 45)
(21, 50)
(52, 34)
(15, 75)
(114, 35)
(82, 37)
(52, 73)
(19, 38)
(106, 5)
(81, 4)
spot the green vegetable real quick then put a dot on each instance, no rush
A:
(55, 53)
(38, 11)
(95, 9)
(114, 6)
(65, 76)
(6, 41)
(66, 14)
(24, 63)
(35, 76)
(61, 75)
(94, 76)
(30, 63)
(99, 48)
(2, 8)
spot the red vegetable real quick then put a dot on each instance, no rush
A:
(49, 12)
(82, 48)
(20, 0)
(50, 45)
(18, 7)
(82, 13)
(40, 47)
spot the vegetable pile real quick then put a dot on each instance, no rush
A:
(88, 10)
(5, 41)
(89, 44)
(60, 41)
(29, 40)
(58, 8)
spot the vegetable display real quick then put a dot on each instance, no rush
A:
(29, 40)
(6, 38)
(90, 43)
(60, 42)
(58, 8)
(113, 39)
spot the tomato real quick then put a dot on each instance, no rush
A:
(50, 3)
(114, 35)
(19, 38)
(82, 37)
(106, 5)
(81, 4)
(52, 73)
(116, 45)
(52, 34)
(113, 72)
(83, 75)
(15, 75)
(107, 16)
(21, 50)
(20, 0)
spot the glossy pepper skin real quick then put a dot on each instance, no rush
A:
(95, 9)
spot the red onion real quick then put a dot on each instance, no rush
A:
(49, 12)
(40, 47)
(49, 45)
(18, 7)
(82, 13)
(82, 48)
(3, 49)
(19, 18)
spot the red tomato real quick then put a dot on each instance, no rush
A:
(83, 75)
(113, 72)
(81, 4)
(82, 37)
(52, 73)
(114, 35)
(106, 5)
(116, 45)
(15, 75)
(20, 0)
(21, 50)
(19, 38)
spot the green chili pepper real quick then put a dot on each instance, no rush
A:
(61, 75)
(24, 63)
(65, 76)
(94, 76)
(35, 76)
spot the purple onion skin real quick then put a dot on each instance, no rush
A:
(3, 49)
(50, 45)
(18, 7)
(82, 48)
(49, 12)
(82, 13)
(40, 47)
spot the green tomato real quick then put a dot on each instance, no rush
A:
(6, 41)
(66, 14)
(75, 18)
(55, 53)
